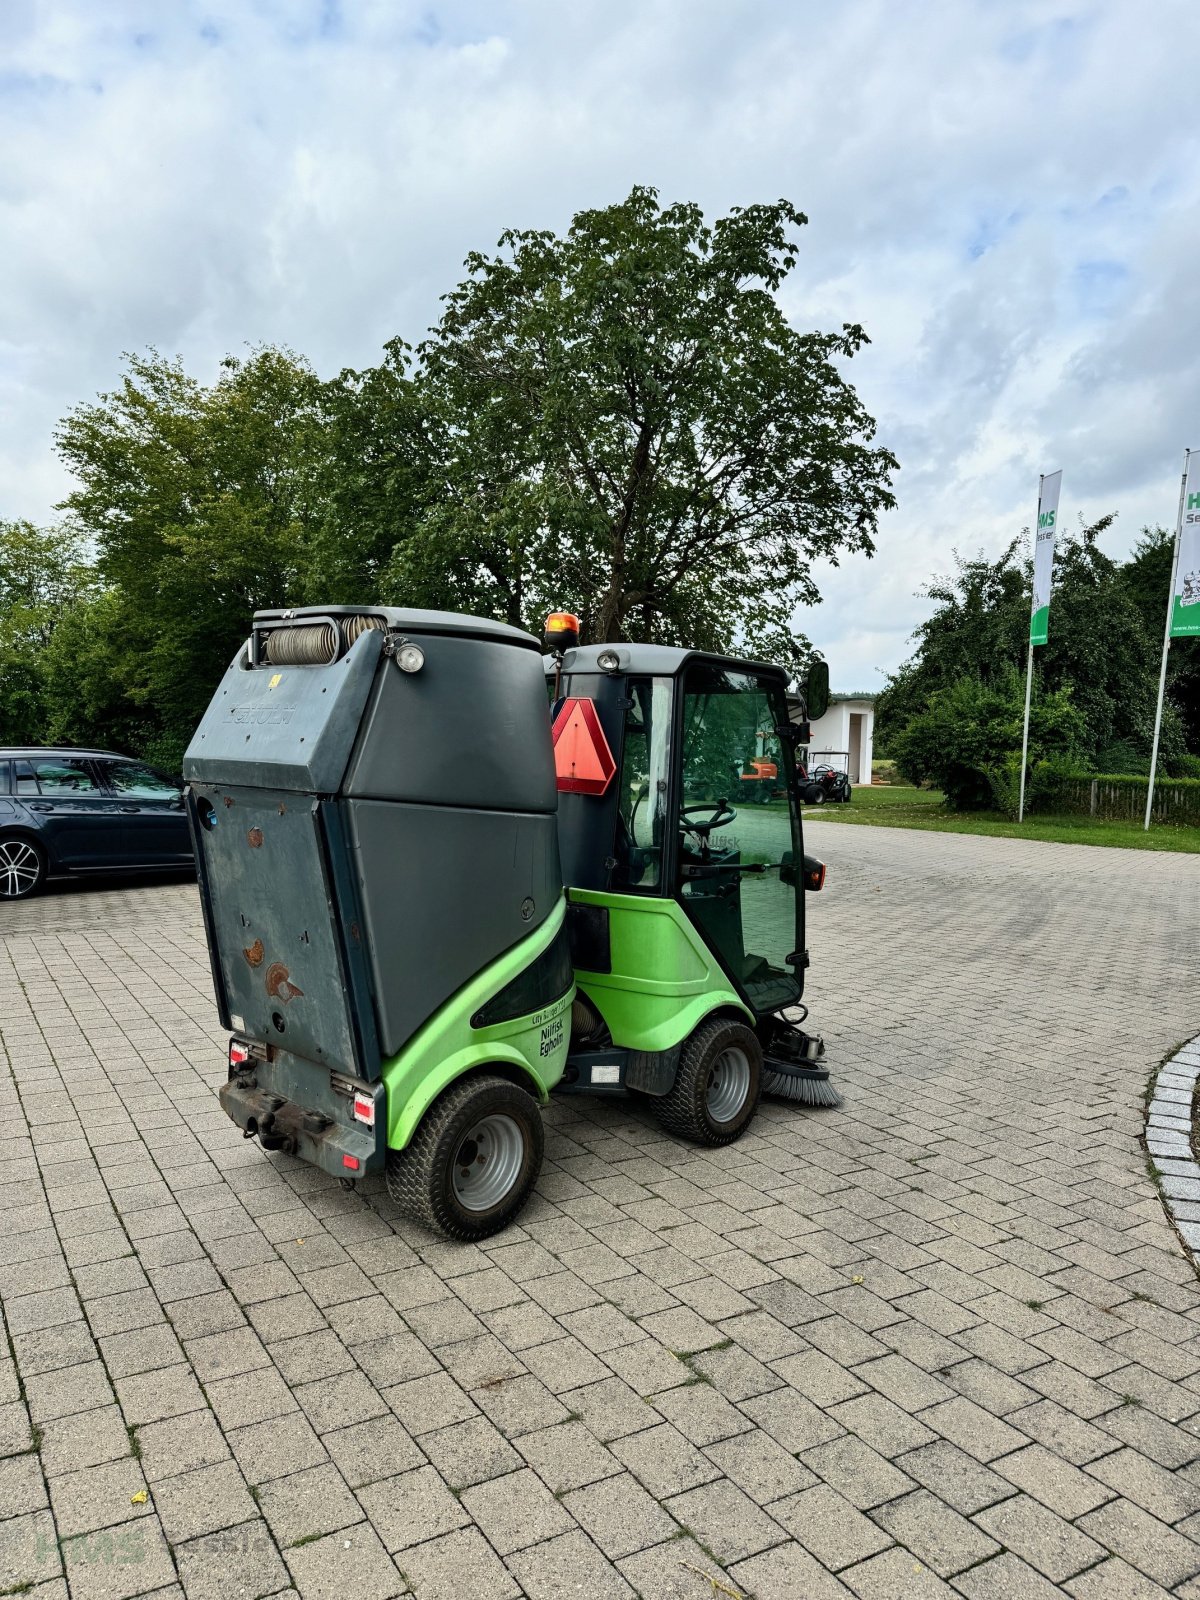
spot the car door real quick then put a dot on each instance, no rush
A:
(81, 824)
(151, 806)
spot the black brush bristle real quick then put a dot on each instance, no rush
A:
(809, 1088)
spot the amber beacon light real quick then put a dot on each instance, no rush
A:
(561, 631)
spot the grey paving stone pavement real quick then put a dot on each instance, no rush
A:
(943, 1341)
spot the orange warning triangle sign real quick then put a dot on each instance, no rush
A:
(583, 763)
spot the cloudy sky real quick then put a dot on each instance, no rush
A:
(1003, 192)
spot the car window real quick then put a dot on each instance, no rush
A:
(63, 778)
(5, 777)
(137, 782)
(26, 783)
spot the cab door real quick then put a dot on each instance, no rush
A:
(737, 863)
(154, 822)
(80, 824)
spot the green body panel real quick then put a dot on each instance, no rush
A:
(447, 1045)
(664, 979)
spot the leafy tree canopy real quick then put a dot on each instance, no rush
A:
(628, 425)
(1100, 650)
(620, 420)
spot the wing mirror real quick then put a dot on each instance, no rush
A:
(816, 689)
(812, 876)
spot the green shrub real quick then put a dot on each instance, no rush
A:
(967, 742)
(1123, 756)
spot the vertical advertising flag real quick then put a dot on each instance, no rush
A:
(1185, 604)
(1043, 558)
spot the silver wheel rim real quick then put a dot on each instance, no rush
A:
(19, 868)
(488, 1162)
(728, 1085)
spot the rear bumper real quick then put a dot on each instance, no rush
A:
(345, 1149)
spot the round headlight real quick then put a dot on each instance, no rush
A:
(608, 661)
(410, 658)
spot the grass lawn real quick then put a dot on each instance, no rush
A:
(897, 807)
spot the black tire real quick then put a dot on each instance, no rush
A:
(421, 1178)
(816, 796)
(687, 1111)
(846, 796)
(22, 867)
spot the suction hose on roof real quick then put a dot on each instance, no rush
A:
(354, 627)
(314, 645)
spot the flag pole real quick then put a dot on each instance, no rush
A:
(1029, 668)
(1162, 676)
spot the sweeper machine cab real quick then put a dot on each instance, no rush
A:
(442, 877)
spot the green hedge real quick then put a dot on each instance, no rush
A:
(1121, 797)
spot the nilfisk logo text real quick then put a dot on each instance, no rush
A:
(264, 716)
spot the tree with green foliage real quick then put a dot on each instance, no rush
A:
(630, 426)
(203, 503)
(967, 742)
(1147, 578)
(620, 420)
(43, 574)
(1098, 650)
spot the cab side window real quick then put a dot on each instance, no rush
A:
(642, 802)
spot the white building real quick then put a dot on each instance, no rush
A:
(845, 736)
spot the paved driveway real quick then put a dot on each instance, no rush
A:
(940, 1341)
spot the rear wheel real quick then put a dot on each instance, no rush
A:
(473, 1161)
(815, 795)
(717, 1087)
(22, 867)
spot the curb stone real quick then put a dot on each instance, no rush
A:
(1168, 1141)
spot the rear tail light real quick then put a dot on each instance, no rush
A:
(364, 1109)
(351, 1162)
(239, 1053)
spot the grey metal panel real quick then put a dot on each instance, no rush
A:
(649, 660)
(284, 727)
(274, 924)
(471, 728)
(445, 891)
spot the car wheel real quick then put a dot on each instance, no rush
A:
(816, 797)
(22, 867)
(717, 1085)
(846, 796)
(473, 1161)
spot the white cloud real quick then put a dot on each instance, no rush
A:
(1003, 194)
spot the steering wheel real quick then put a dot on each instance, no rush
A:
(722, 814)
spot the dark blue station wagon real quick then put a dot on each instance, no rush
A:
(66, 811)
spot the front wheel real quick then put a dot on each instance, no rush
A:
(22, 867)
(473, 1161)
(718, 1084)
(846, 796)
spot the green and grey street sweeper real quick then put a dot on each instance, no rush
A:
(443, 876)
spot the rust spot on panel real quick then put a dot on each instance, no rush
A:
(228, 800)
(254, 954)
(279, 985)
(255, 836)
(282, 808)
(355, 934)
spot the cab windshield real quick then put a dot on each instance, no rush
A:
(739, 845)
